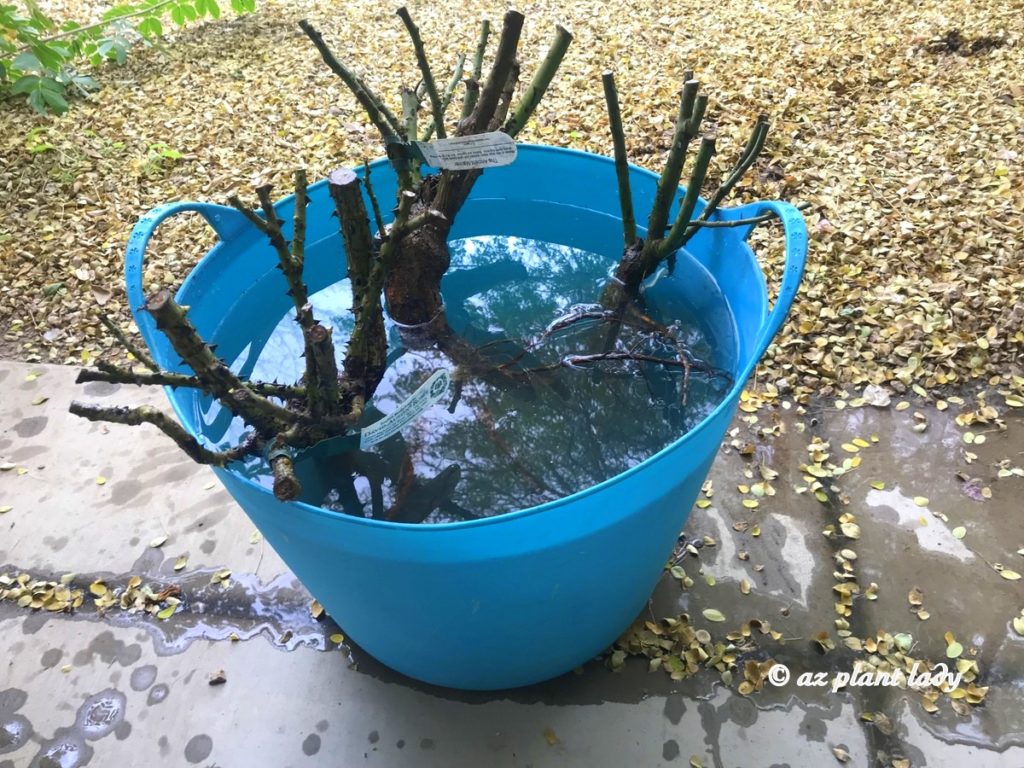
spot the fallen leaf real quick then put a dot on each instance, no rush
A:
(713, 614)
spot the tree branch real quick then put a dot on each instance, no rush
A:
(473, 91)
(375, 109)
(668, 182)
(541, 80)
(490, 93)
(428, 77)
(575, 361)
(611, 98)
(377, 218)
(219, 381)
(366, 356)
(321, 368)
(677, 235)
(449, 92)
(750, 153)
(280, 458)
(112, 374)
(136, 351)
(102, 23)
(701, 223)
(146, 414)
(505, 102)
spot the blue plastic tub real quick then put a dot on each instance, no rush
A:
(525, 596)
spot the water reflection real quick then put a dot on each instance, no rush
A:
(529, 431)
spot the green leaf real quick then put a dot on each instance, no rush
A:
(51, 56)
(151, 27)
(27, 62)
(55, 101)
(178, 16)
(118, 10)
(35, 100)
(25, 84)
(213, 9)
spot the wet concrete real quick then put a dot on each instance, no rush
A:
(92, 689)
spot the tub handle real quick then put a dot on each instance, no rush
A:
(225, 221)
(795, 231)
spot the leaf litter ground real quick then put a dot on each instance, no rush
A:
(903, 127)
(905, 138)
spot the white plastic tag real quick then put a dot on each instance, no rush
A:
(428, 393)
(462, 153)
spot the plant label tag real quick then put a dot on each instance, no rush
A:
(463, 153)
(429, 392)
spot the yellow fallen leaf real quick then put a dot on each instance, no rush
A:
(101, 480)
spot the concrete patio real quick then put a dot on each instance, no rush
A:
(124, 689)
